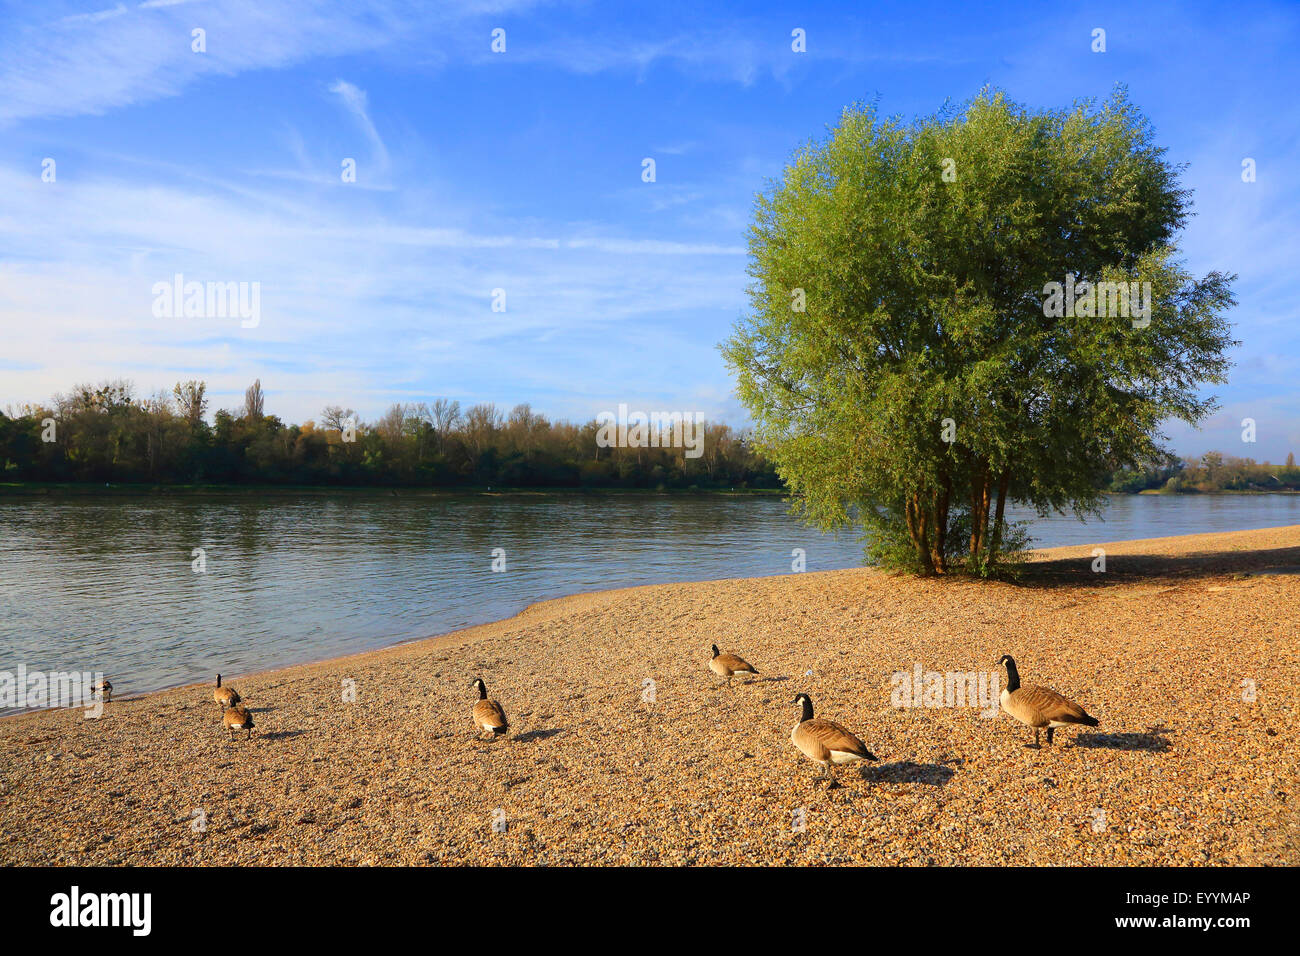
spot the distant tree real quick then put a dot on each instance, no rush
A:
(336, 417)
(525, 428)
(191, 398)
(254, 401)
(106, 434)
(393, 425)
(445, 415)
(900, 362)
(482, 422)
(1290, 459)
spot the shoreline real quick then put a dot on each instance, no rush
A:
(130, 490)
(1184, 769)
(469, 634)
(140, 490)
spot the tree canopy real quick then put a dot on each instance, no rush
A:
(900, 359)
(105, 433)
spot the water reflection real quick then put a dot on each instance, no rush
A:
(105, 584)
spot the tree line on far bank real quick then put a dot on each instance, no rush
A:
(106, 433)
(1213, 471)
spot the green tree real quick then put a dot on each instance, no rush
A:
(903, 360)
(254, 401)
(191, 399)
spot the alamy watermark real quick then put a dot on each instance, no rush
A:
(130, 910)
(1099, 299)
(651, 430)
(919, 688)
(179, 299)
(32, 690)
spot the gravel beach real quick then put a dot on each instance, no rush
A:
(1185, 649)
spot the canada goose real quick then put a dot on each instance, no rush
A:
(238, 718)
(104, 688)
(488, 714)
(825, 741)
(728, 665)
(225, 696)
(1039, 707)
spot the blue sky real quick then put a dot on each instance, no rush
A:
(522, 171)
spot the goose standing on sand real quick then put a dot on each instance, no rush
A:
(238, 718)
(826, 742)
(1039, 707)
(104, 688)
(488, 714)
(728, 665)
(225, 696)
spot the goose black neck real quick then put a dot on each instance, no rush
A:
(1013, 676)
(807, 710)
(218, 680)
(482, 691)
(715, 650)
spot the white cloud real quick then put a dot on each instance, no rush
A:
(358, 305)
(96, 17)
(109, 59)
(356, 103)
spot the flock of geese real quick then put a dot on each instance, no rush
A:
(234, 712)
(822, 741)
(828, 743)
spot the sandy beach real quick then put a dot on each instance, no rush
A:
(1167, 648)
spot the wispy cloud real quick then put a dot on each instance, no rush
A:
(108, 59)
(354, 100)
(96, 17)
(521, 171)
(358, 305)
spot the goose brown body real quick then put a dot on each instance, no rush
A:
(488, 714)
(826, 742)
(225, 696)
(1040, 707)
(728, 665)
(237, 718)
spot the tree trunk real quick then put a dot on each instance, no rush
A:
(980, 492)
(940, 535)
(1004, 482)
(916, 527)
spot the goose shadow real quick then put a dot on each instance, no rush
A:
(907, 771)
(528, 736)
(764, 679)
(1171, 569)
(281, 734)
(1152, 741)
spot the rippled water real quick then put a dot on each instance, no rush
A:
(105, 584)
